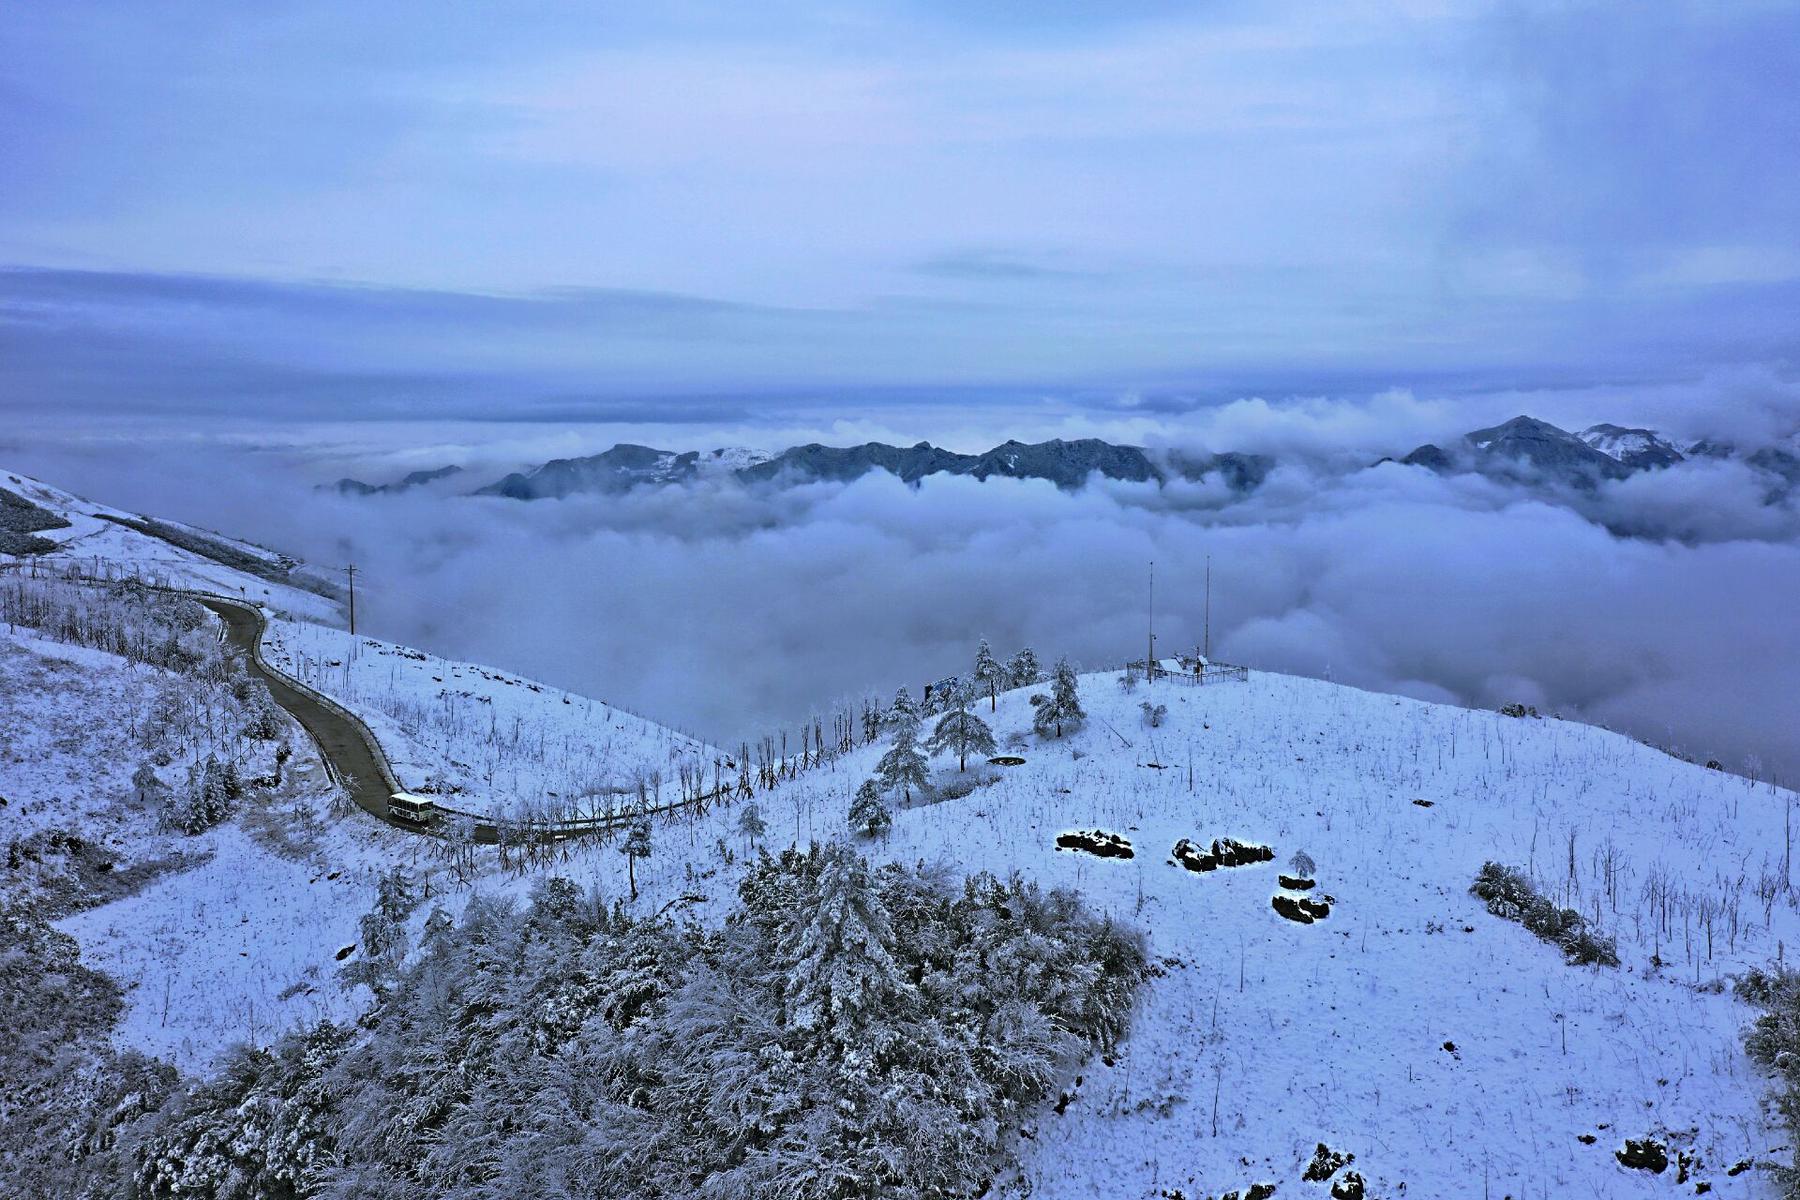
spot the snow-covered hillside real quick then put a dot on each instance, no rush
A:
(1449, 1050)
(100, 539)
(1436, 1042)
(488, 740)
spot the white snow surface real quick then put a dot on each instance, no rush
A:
(99, 546)
(1334, 1032)
(486, 740)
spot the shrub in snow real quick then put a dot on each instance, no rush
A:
(264, 724)
(1128, 682)
(1773, 1043)
(211, 791)
(1024, 669)
(1511, 894)
(1154, 714)
(1302, 865)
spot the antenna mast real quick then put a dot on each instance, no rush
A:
(1150, 655)
(1206, 652)
(351, 571)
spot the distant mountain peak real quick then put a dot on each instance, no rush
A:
(1639, 449)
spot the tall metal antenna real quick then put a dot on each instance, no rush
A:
(1150, 655)
(1206, 652)
(351, 571)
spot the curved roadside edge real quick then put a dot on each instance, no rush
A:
(345, 742)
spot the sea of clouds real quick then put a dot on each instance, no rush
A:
(1663, 605)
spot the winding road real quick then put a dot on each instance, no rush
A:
(346, 744)
(354, 756)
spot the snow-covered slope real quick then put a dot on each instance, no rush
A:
(1439, 1044)
(488, 740)
(104, 540)
(1634, 447)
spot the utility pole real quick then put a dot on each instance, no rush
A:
(1206, 650)
(1150, 655)
(351, 571)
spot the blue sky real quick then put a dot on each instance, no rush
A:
(427, 209)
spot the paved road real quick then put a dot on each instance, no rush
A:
(345, 745)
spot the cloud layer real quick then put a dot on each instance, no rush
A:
(726, 611)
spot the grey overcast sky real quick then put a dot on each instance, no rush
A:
(333, 209)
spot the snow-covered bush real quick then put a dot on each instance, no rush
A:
(1511, 894)
(1773, 1043)
(1154, 714)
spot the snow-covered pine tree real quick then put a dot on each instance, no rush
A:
(868, 815)
(839, 960)
(961, 732)
(1062, 707)
(989, 675)
(902, 710)
(940, 697)
(383, 942)
(635, 846)
(146, 787)
(750, 823)
(902, 768)
(1024, 668)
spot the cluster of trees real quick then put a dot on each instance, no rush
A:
(848, 1031)
(959, 729)
(139, 624)
(210, 795)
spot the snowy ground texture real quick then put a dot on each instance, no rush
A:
(485, 740)
(1452, 1052)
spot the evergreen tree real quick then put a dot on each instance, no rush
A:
(383, 942)
(902, 767)
(148, 789)
(635, 846)
(1062, 707)
(902, 711)
(868, 815)
(989, 675)
(1024, 669)
(941, 696)
(961, 732)
(839, 958)
(751, 824)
